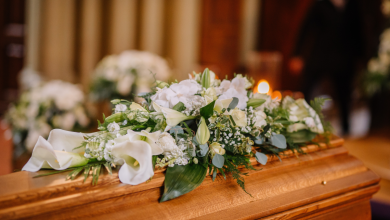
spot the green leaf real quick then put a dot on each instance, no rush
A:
(261, 158)
(302, 136)
(255, 102)
(234, 103)
(208, 110)
(206, 78)
(54, 172)
(179, 107)
(218, 160)
(108, 167)
(279, 141)
(72, 175)
(86, 172)
(215, 173)
(223, 173)
(180, 180)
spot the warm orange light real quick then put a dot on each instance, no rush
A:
(277, 94)
(263, 87)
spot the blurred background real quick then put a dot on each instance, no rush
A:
(303, 48)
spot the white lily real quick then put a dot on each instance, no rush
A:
(203, 133)
(171, 116)
(137, 158)
(150, 138)
(57, 152)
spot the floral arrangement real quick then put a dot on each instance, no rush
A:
(54, 104)
(191, 127)
(120, 76)
(376, 76)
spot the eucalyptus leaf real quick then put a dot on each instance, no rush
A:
(279, 141)
(218, 160)
(259, 141)
(179, 107)
(208, 110)
(234, 103)
(261, 158)
(176, 130)
(194, 141)
(204, 148)
(180, 180)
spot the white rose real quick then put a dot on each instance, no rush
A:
(216, 148)
(166, 142)
(309, 122)
(113, 127)
(239, 117)
(120, 108)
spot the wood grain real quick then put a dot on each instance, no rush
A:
(291, 189)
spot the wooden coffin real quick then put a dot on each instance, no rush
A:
(326, 183)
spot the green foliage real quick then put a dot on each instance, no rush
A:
(180, 180)
(94, 166)
(279, 141)
(255, 102)
(208, 110)
(261, 158)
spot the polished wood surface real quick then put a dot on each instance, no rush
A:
(292, 189)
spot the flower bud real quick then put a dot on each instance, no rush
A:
(161, 84)
(203, 133)
(195, 160)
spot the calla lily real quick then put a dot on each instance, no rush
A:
(221, 104)
(203, 133)
(150, 138)
(137, 158)
(171, 116)
(57, 152)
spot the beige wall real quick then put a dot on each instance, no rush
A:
(66, 38)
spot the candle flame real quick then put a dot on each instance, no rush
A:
(263, 87)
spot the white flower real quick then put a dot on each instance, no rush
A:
(136, 157)
(57, 152)
(293, 118)
(302, 111)
(150, 138)
(113, 127)
(248, 84)
(179, 92)
(260, 117)
(120, 108)
(269, 103)
(166, 142)
(234, 89)
(216, 148)
(309, 122)
(239, 117)
(171, 116)
(125, 84)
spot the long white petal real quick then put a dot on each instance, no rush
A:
(66, 140)
(129, 152)
(44, 156)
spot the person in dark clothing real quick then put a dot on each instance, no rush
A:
(330, 42)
